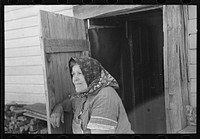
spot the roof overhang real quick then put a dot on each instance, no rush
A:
(98, 11)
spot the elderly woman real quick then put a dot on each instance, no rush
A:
(96, 105)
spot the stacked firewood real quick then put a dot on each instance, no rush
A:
(17, 123)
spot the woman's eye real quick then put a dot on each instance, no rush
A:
(79, 73)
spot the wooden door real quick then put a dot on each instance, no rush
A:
(147, 78)
(61, 38)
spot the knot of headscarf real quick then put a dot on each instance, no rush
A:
(95, 76)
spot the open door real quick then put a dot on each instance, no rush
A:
(61, 38)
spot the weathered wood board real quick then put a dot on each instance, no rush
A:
(175, 66)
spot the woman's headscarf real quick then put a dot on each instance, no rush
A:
(95, 75)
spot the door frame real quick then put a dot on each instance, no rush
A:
(97, 12)
(166, 57)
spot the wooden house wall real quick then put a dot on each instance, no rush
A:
(23, 64)
(192, 33)
(24, 80)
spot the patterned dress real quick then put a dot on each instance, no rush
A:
(99, 107)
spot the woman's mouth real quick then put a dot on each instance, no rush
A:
(78, 83)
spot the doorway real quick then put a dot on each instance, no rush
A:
(131, 48)
(145, 36)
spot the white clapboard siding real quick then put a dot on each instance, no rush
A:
(193, 99)
(192, 26)
(32, 11)
(21, 13)
(25, 88)
(24, 75)
(193, 71)
(23, 51)
(193, 85)
(34, 20)
(10, 8)
(23, 23)
(24, 98)
(23, 61)
(193, 41)
(25, 79)
(192, 11)
(22, 42)
(24, 70)
(21, 33)
(193, 57)
(192, 36)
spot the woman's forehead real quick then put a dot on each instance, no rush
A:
(76, 67)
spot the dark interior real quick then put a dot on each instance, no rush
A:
(130, 47)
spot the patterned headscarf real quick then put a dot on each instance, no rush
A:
(95, 75)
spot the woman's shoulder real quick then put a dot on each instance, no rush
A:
(107, 92)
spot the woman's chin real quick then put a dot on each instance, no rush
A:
(79, 91)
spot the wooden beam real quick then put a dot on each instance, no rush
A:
(90, 11)
(65, 45)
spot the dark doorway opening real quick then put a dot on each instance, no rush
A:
(130, 47)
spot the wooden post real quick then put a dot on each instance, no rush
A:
(175, 73)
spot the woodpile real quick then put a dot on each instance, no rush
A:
(17, 121)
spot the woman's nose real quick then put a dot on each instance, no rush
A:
(76, 78)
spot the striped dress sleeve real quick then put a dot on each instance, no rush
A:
(104, 111)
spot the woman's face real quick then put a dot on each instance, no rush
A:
(78, 79)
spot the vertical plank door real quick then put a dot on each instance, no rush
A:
(62, 37)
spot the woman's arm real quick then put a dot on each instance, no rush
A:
(96, 131)
(57, 114)
(66, 104)
(104, 112)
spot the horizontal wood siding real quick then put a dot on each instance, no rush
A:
(24, 77)
(22, 33)
(23, 61)
(192, 26)
(192, 56)
(193, 71)
(23, 51)
(24, 70)
(25, 98)
(27, 12)
(13, 8)
(193, 41)
(20, 88)
(22, 42)
(23, 23)
(193, 85)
